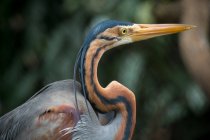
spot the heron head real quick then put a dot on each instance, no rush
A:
(116, 33)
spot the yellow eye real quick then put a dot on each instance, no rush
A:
(124, 31)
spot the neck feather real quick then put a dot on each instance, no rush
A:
(115, 97)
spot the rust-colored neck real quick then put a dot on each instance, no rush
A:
(115, 97)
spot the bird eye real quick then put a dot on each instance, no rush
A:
(124, 31)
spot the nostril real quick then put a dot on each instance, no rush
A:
(142, 26)
(49, 111)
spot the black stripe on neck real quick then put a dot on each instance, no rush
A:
(119, 99)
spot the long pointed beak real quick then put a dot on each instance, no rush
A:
(146, 31)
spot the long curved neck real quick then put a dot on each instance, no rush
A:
(114, 97)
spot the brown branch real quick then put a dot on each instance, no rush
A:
(194, 45)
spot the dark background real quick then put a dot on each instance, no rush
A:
(170, 75)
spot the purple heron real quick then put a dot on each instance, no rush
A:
(67, 110)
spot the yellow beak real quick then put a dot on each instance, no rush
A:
(146, 31)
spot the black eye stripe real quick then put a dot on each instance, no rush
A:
(108, 38)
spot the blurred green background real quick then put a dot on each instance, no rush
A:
(39, 40)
